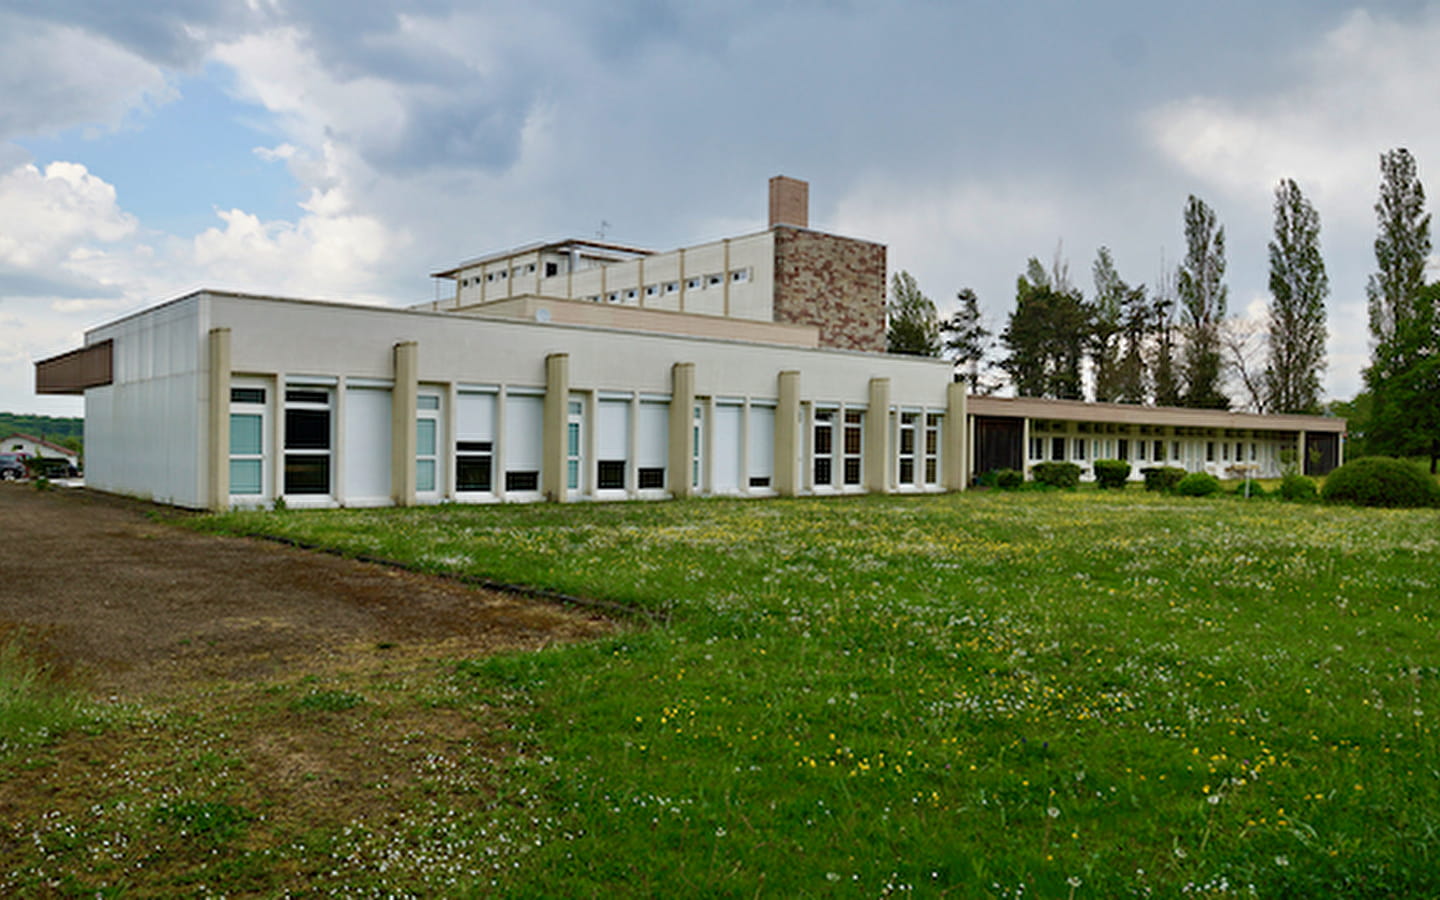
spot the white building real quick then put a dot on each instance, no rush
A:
(562, 371)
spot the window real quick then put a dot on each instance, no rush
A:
(474, 443)
(1209, 451)
(552, 269)
(575, 420)
(1159, 454)
(932, 448)
(697, 432)
(652, 443)
(530, 269)
(739, 276)
(822, 450)
(714, 280)
(612, 436)
(1037, 448)
(523, 440)
(614, 297)
(652, 290)
(760, 461)
(692, 284)
(1174, 451)
(307, 441)
(854, 445)
(593, 298)
(906, 448)
(632, 294)
(1057, 448)
(247, 441)
(672, 287)
(1079, 449)
(427, 444)
(1124, 449)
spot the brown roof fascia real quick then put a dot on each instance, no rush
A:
(73, 372)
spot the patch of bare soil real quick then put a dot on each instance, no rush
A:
(110, 591)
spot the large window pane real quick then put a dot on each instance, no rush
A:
(245, 477)
(245, 433)
(305, 474)
(425, 437)
(307, 429)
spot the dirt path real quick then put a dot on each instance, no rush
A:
(109, 591)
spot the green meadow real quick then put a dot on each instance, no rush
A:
(975, 695)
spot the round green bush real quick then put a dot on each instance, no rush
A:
(1009, 479)
(1056, 474)
(1298, 487)
(1112, 473)
(1162, 478)
(1255, 488)
(1381, 481)
(1198, 484)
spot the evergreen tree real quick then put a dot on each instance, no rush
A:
(1132, 375)
(1047, 335)
(912, 325)
(1106, 331)
(1404, 373)
(967, 342)
(1201, 286)
(1298, 287)
(1162, 322)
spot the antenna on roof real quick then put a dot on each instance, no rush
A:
(600, 232)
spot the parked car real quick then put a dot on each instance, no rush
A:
(12, 466)
(51, 467)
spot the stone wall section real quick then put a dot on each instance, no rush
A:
(834, 283)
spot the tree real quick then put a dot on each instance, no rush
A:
(1132, 376)
(1200, 283)
(1166, 376)
(1243, 340)
(1046, 335)
(1298, 287)
(1105, 333)
(1404, 372)
(912, 326)
(967, 342)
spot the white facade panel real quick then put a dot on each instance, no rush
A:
(366, 446)
(725, 449)
(652, 435)
(760, 460)
(612, 429)
(524, 429)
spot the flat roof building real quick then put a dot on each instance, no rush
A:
(575, 370)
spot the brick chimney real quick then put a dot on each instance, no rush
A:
(789, 202)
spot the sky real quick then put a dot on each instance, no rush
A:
(343, 151)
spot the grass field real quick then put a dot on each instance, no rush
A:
(1033, 694)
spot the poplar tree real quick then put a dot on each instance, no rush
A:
(1404, 373)
(1298, 288)
(1200, 283)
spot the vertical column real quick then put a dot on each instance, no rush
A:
(787, 435)
(1025, 447)
(552, 452)
(218, 441)
(955, 451)
(1302, 454)
(682, 435)
(877, 438)
(402, 423)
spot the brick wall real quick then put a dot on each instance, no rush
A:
(834, 283)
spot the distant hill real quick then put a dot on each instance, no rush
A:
(53, 429)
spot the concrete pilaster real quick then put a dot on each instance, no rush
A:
(557, 405)
(402, 423)
(877, 438)
(787, 435)
(955, 451)
(682, 435)
(218, 433)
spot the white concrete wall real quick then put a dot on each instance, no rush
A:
(144, 433)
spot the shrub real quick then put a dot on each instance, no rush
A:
(1112, 473)
(1249, 489)
(1297, 487)
(1057, 474)
(1198, 484)
(1380, 481)
(1162, 478)
(1009, 479)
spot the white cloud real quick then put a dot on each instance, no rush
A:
(1366, 87)
(56, 77)
(48, 219)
